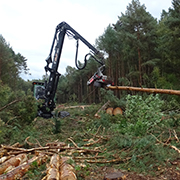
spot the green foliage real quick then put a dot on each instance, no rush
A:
(26, 109)
(5, 93)
(17, 106)
(114, 100)
(11, 64)
(143, 114)
(57, 125)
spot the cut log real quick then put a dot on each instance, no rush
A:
(115, 176)
(101, 109)
(58, 144)
(109, 110)
(117, 110)
(12, 162)
(19, 171)
(149, 90)
(81, 107)
(66, 170)
(53, 170)
(4, 158)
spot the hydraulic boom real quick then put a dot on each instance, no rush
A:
(50, 86)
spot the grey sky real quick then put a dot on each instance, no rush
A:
(29, 26)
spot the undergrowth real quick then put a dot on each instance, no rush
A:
(132, 137)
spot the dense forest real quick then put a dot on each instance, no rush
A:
(140, 51)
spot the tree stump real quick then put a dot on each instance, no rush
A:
(115, 176)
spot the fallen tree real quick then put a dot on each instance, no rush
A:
(148, 90)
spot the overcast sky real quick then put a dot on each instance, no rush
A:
(29, 26)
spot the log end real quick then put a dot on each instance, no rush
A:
(109, 110)
(117, 110)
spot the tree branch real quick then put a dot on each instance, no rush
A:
(13, 102)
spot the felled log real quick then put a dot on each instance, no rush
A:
(12, 162)
(58, 144)
(149, 90)
(24, 150)
(81, 107)
(92, 142)
(102, 108)
(109, 110)
(53, 170)
(4, 158)
(19, 171)
(117, 111)
(115, 176)
(66, 170)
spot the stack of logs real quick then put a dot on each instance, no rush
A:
(114, 111)
(15, 167)
(60, 169)
(15, 160)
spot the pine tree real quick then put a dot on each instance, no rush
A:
(168, 46)
(137, 29)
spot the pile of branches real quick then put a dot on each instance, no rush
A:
(15, 160)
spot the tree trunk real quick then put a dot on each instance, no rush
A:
(53, 170)
(148, 90)
(12, 162)
(67, 171)
(139, 60)
(19, 171)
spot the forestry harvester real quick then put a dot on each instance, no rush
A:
(47, 90)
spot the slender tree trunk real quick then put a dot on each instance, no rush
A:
(116, 73)
(139, 65)
(139, 61)
(94, 95)
(0, 67)
(80, 89)
(89, 97)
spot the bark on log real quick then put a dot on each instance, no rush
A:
(12, 162)
(4, 158)
(66, 170)
(149, 90)
(115, 176)
(81, 107)
(19, 171)
(58, 144)
(117, 110)
(53, 170)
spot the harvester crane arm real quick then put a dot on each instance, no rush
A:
(50, 87)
